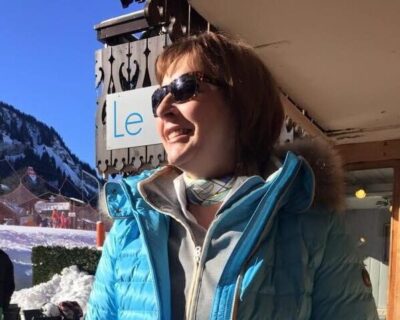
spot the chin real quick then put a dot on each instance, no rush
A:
(179, 155)
(182, 162)
(177, 163)
(175, 159)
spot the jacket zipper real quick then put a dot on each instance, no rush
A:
(193, 285)
(198, 249)
(196, 280)
(197, 256)
(200, 252)
(235, 302)
(238, 285)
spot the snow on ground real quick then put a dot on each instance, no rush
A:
(70, 285)
(17, 242)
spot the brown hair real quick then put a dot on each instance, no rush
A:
(251, 92)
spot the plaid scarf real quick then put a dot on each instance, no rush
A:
(207, 192)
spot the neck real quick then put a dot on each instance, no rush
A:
(204, 214)
(208, 174)
(207, 192)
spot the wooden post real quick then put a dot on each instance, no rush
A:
(393, 312)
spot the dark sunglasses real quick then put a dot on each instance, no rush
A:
(182, 88)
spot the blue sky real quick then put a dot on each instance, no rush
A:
(47, 64)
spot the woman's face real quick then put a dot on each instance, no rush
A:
(198, 135)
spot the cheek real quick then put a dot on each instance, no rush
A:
(224, 119)
(159, 127)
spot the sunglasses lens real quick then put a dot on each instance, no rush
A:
(156, 99)
(184, 88)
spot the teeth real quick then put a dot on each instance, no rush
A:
(178, 132)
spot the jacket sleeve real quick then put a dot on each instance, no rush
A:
(102, 300)
(342, 289)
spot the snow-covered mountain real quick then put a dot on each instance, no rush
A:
(26, 142)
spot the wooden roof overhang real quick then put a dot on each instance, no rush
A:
(339, 61)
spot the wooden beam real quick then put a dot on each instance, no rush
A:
(299, 118)
(376, 151)
(123, 25)
(393, 311)
(371, 165)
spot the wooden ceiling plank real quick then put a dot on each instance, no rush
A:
(369, 151)
(371, 165)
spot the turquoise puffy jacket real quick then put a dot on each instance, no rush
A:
(293, 259)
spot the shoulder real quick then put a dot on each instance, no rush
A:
(326, 237)
(120, 198)
(313, 224)
(321, 220)
(128, 185)
(327, 168)
(316, 228)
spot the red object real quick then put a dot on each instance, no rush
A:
(100, 233)
(55, 218)
(64, 221)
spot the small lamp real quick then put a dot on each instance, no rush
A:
(360, 193)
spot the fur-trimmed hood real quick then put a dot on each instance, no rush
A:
(327, 167)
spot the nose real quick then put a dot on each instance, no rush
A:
(166, 107)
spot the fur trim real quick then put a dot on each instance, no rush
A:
(328, 170)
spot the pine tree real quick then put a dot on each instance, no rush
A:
(25, 135)
(13, 129)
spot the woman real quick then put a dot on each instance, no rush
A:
(231, 228)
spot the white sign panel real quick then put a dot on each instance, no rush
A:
(130, 120)
(49, 206)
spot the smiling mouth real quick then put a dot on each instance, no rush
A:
(178, 132)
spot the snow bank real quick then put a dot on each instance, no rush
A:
(18, 241)
(71, 284)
